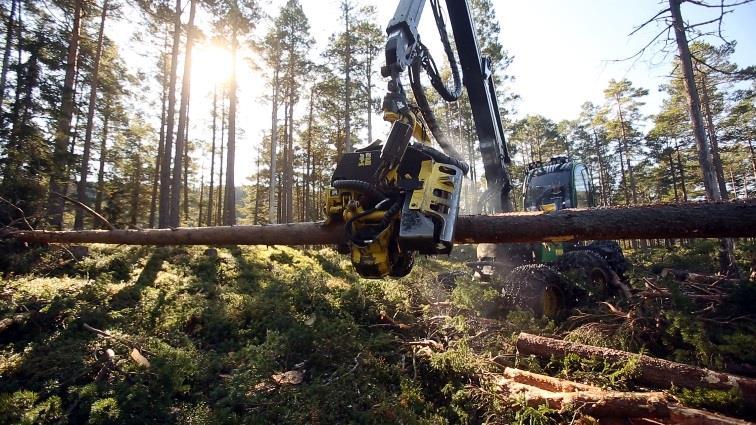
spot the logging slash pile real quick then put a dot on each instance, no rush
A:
(282, 335)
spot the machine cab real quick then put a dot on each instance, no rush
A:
(556, 185)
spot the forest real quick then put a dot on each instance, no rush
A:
(76, 120)
(153, 114)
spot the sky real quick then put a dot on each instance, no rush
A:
(565, 52)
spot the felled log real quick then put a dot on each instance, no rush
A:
(594, 403)
(562, 395)
(697, 220)
(652, 371)
(545, 382)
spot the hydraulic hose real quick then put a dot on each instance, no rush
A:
(360, 186)
(427, 112)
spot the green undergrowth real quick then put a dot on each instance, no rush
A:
(219, 326)
(216, 327)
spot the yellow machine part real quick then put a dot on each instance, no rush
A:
(438, 186)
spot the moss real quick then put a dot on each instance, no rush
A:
(722, 401)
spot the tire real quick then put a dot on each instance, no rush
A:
(612, 253)
(538, 288)
(591, 273)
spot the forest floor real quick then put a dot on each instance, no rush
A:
(283, 335)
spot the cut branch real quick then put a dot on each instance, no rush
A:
(84, 207)
(698, 220)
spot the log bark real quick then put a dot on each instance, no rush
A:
(700, 220)
(652, 371)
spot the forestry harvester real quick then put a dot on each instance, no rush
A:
(401, 197)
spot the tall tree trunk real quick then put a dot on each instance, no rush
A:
(6, 59)
(212, 160)
(753, 158)
(694, 104)
(202, 194)
(178, 164)
(164, 204)
(620, 150)
(716, 159)
(290, 158)
(137, 188)
(602, 171)
(308, 156)
(682, 172)
(627, 154)
(257, 189)
(81, 191)
(161, 139)
(273, 148)
(187, 159)
(728, 265)
(229, 213)
(59, 179)
(369, 86)
(346, 8)
(219, 213)
(674, 177)
(103, 155)
(285, 191)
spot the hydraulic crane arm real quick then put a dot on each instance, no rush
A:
(403, 49)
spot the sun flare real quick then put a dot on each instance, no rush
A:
(211, 65)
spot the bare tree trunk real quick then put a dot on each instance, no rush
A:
(161, 140)
(219, 213)
(674, 177)
(346, 8)
(716, 159)
(308, 156)
(81, 191)
(202, 194)
(369, 86)
(58, 178)
(682, 172)
(257, 189)
(229, 213)
(694, 104)
(623, 144)
(273, 148)
(164, 204)
(6, 59)
(136, 190)
(728, 264)
(290, 158)
(103, 155)
(212, 160)
(178, 165)
(187, 148)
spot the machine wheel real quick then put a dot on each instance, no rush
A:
(612, 253)
(591, 271)
(539, 288)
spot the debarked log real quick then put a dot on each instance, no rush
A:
(694, 220)
(651, 370)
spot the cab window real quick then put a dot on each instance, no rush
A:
(582, 187)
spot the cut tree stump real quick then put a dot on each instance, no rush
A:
(652, 371)
(695, 220)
